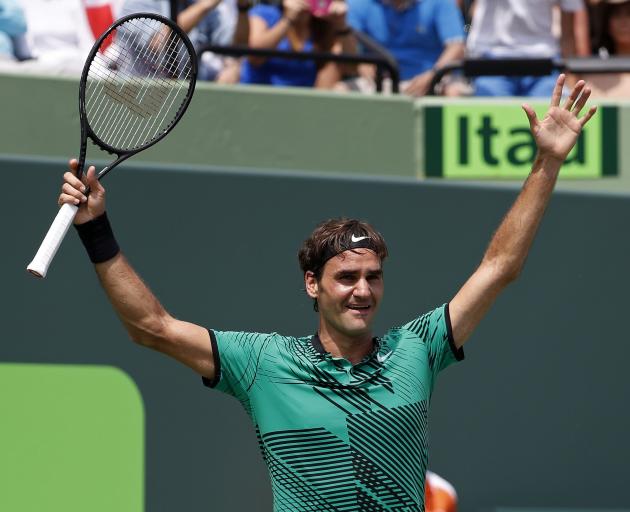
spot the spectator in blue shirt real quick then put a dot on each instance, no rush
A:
(12, 26)
(422, 35)
(293, 27)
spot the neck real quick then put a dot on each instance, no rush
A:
(351, 348)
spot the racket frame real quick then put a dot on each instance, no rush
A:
(86, 129)
(57, 231)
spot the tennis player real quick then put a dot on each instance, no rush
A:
(341, 416)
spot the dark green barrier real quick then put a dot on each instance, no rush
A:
(536, 416)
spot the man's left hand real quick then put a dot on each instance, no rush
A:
(558, 131)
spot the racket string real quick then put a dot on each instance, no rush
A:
(133, 88)
(150, 129)
(145, 130)
(114, 114)
(104, 82)
(104, 76)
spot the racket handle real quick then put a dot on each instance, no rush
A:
(47, 250)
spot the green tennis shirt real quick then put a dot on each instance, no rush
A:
(337, 436)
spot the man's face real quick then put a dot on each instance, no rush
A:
(349, 291)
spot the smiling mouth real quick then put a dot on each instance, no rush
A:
(358, 308)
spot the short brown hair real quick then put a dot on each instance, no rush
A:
(334, 236)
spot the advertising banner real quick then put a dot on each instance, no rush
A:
(493, 141)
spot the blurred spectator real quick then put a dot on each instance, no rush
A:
(465, 6)
(612, 19)
(206, 22)
(421, 35)
(100, 14)
(12, 27)
(580, 43)
(58, 38)
(611, 29)
(524, 28)
(295, 28)
(439, 495)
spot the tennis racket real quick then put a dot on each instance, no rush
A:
(136, 84)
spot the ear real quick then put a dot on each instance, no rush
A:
(310, 283)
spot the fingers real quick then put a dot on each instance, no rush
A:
(577, 101)
(587, 117)
(557, 91)
(414, 89)
(74, 182)
(296, 6)
(70, 195)
(75, 190)
(65, 198)
(73, 165)
(91, 179)
(72, 190)
(579, 105)
(531, 116)
(568, 104)
(337, 8)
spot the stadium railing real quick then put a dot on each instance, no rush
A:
(383, 60)
(377, 55)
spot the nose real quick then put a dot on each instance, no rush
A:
(362, 289)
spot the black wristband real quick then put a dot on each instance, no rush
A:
(98, 239)
(344, 31)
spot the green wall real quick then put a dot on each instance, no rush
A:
(231, 127)
(536, 416)
(283, 130)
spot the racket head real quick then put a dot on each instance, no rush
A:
(137, 82)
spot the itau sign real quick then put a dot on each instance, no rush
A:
(493, 141)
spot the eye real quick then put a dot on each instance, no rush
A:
(346, 278)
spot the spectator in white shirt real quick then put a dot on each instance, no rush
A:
(523, 28)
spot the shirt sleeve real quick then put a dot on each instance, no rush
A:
(12, 20)
(572, 5)
(449, 22)
(355, 15)
(434, 330)
(237, 356)
(269, 14)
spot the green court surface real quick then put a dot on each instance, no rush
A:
(71, 439)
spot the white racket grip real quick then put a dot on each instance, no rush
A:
(58, 229)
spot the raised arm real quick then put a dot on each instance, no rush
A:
(145, 319)
(190, 17)
(264, 37)
(555, 136)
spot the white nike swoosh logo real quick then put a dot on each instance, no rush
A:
(382, 358)
(358, 238)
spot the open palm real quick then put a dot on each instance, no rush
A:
(558, 131)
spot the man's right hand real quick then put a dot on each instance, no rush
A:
(73, 192)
